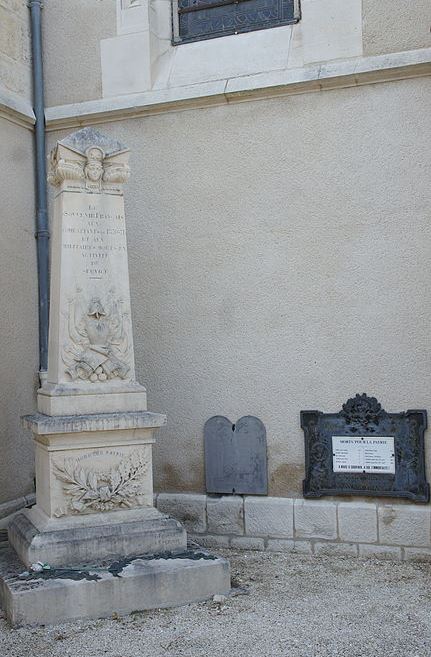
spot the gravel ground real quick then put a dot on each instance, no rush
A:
(296, 606)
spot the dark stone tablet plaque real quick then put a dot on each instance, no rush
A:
(235, 456)
(363, 450)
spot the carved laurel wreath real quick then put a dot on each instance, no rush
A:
(102, 491)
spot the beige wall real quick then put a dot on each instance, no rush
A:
(278, 256)
(15, 47)
(395, 25)
(18, 323)
(72, 32)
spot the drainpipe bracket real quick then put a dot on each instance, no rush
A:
(41, 233)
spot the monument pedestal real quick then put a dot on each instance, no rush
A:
(102, 546)
(94, 491)
(74, 541)
(108, 549)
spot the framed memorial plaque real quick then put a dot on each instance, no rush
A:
(362, 450)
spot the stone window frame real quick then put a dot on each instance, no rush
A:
(141, 58)
(177, 39)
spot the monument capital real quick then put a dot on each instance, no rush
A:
(90, 161)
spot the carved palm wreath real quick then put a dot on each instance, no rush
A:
(363, 450)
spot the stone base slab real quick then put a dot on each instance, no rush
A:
(81, 540)
(106, 588)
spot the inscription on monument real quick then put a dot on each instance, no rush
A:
(97, 235)
(363, 450)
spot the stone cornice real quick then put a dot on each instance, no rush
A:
(16, 109)
(318, 77)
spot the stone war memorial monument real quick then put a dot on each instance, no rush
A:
(94, 536)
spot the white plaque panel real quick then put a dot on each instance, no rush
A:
(363, 454)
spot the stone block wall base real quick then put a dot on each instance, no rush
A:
(364, 528)
(120, 588)
(70, 541)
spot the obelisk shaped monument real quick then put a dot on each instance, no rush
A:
(91, 367)
(93, 435)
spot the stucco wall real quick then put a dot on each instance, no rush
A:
(278, 256)
(72, 32)
(18, 323)
(395, 25)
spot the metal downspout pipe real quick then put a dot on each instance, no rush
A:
(42, 232)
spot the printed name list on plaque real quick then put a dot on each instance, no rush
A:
(363, 450)
(363, 454)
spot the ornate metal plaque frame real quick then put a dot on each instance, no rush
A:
(364, 416)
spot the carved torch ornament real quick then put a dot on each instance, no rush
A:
(98, 346)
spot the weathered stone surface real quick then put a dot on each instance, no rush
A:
(357, 522)
(387, 552)
(12, 507)
(190, 510)
(46, 425)
(404, 525)
(280, 545)
(210, 540)
(70, 541)
(315, 519)
(10, 44)
(142, 584)
(338, 549)
(268, 516)
(417, 554)
(225, 515)
(86, 137)
(247, 543)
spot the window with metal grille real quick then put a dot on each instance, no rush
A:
(195, 20)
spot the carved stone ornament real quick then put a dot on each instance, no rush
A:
(363, 410)
(89, 157)
(88, 490)
(363, 450)
(60, 169)
(98, 345)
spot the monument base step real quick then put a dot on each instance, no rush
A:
(106, 588)
(72, 399)
(82, 540)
